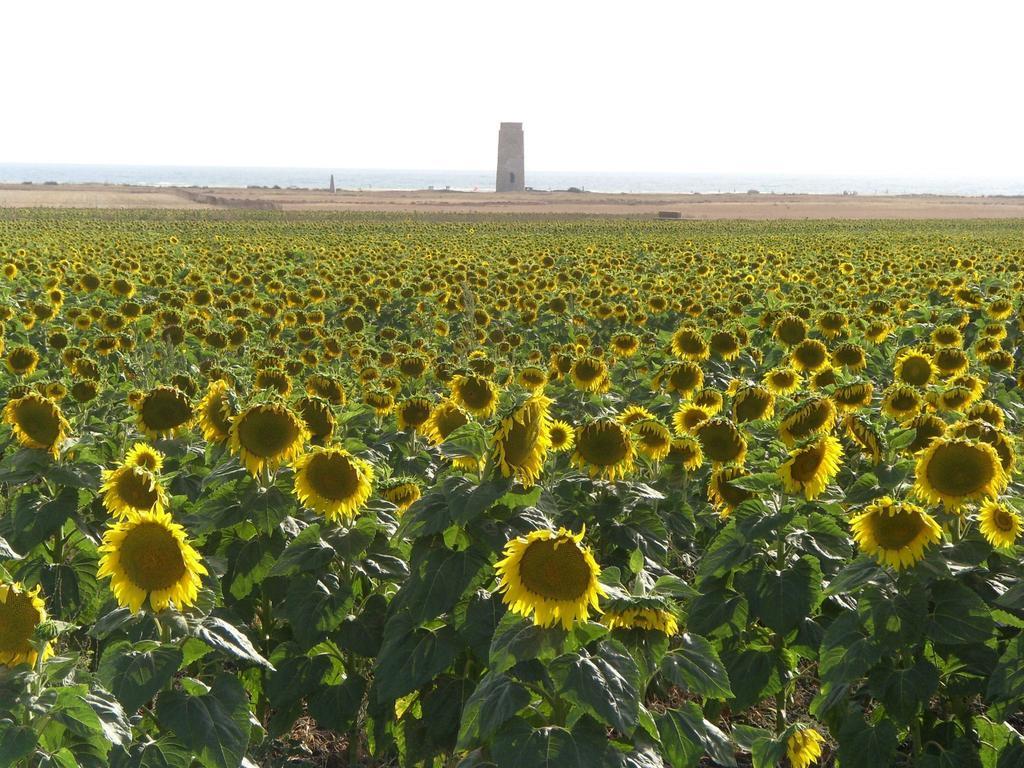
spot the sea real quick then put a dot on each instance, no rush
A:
(462, 180)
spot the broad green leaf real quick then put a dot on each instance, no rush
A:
(605, 684)
(496, 699)
(864, 745)
(136, 673)
(783, 599)
(411, 656)
(960, 616)
(517, 639)
(225, 637)
(214, 726)
(696, 667)
(306, 553)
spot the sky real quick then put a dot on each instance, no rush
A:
(909, 88)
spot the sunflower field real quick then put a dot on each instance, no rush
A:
(330, 490)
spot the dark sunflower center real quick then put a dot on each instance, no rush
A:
(137, 489)
(37, 419)
(690, 343)
(558, 437)
(18, 620)
(475, 393)
(21, 360)
(151, 557)
(317, 418)
(520, 442)
(1003, 520)
(810, 354)
(332, 476)
(753, 405)
(959, 470)
(218, 414)
(904, 401)
(733, 495)
(603, 445)
(587, 370)
(449, 420)
(654, 437)
(720, 442)
(267, 433)
(555, 569)
(916, 371)
(897, 530)
(415, 413)
(807, 463)
(162, 411)
(683, 379)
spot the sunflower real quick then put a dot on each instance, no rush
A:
(333, 482)
(811, 467)
(781, 381)
(721, 441)
(21, 612)
(850, 397)
(901, 402)
(808, 356)
(604, 448)
(725, 345)
(711, 400)
(685, 452)
(999, 524)
(266, 436)
(148, 557)
(522, 439)
(445, 418)
(986, 433)
(895, 533)
(926, 428)
(864, 436)
(751, 403)
(955, 470)
(22, 361)
(681, 377)
(647, 613)
(532, 378)
(164, 411)
(403, 492)
(915, 368)
(590, 374)
(653, 439)
(37, 422)
(633, 414)
(988, 412)
(145, 456)
(132, 488)
(317, 416)
(550, 575)
(382, 401)
(723, 494)
(562, 436)
(413, 413)
(478, 395)
(803, 747)
(688, 417)
(625, 344)
(790, 330)
(688, 344)
(811, 417)
(216, 410)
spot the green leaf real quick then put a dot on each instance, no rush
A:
(214, 726)
(727, 553)
(517, 639)
(605, 685)
(225, 637)
(16, 742)
(695, 666)
(686, 736)
(438, 580)
(306, 553)
(33, 518)
(496, 699)
(783, 599)
(162, 753)
(758, 482)
(6, 553)
(315, 606)
(136, 673)
(960, 617)
(411, 656)
(718, 611)
(854, 575)
(866, 746)
(554, 747)
(905, 691)
(1006, 685)
(753, 673)
(335, 706)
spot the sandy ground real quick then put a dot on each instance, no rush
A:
(725, 206)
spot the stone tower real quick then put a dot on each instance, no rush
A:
(510, 159)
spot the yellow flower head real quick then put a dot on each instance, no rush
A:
(812, 467)
(895, 533)
(267, 436)
(956, 470)
(803, 747)
(37, 422)
(148, 558)
(999, 524)
(522, 440)
(21, 611)
(604, 448)
(333, 482)
(550, 575)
